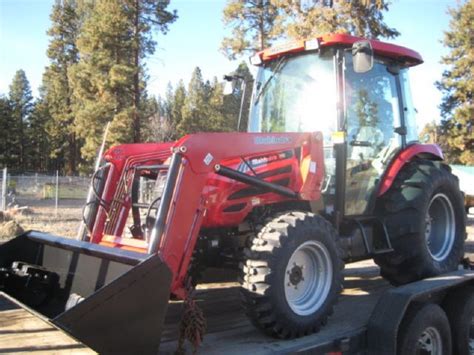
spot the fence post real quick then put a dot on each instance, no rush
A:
(4, 190)
(56, 199)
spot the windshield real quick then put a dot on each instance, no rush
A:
(296, 94)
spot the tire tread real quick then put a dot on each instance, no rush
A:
(261, 261)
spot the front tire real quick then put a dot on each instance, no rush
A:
(425, 219)
(292, 276)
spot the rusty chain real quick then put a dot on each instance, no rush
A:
(193, 324)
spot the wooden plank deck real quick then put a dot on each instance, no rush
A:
(228, 329)
(230, 332)
(23, 331)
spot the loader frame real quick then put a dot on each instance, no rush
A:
(192, 161)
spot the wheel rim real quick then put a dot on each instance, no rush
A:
(430, 342)
(440, 227)
(308, 278)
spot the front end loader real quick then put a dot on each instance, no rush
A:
(330, 172)
(94, 288)
(90, 291)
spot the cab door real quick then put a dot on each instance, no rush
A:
(371, 117)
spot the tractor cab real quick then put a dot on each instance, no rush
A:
(355, 92)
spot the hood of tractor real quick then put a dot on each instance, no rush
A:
(230, 201)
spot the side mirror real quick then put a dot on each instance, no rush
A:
(231, 81)
(362, 56)
(228, 88)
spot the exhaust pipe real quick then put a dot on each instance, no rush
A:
(96, 294)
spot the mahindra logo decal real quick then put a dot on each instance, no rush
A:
(268, 140)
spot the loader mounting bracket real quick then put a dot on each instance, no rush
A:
(31, 284)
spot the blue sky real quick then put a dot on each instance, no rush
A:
(194, 40)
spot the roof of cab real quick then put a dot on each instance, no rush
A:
(404, 55)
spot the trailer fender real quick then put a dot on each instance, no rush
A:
(427, 151)
(382, 329)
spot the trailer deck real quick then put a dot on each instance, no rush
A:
(25, 331)
(229, 331)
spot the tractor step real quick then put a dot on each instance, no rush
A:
(382, 251)
(370, 233)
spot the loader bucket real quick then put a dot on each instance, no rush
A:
(112, 300)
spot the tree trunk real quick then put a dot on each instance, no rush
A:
(136, 78)
(71, 161)
(261, 25)
(22, 144)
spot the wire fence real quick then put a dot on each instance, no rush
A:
(45, 202)
(40, 189)
(53, 203)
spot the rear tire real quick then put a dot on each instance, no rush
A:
(425, 330)
(292, 276)
(460, 311)
(425, 219)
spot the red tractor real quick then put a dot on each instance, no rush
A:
(286, 207)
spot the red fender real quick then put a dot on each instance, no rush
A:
(430, 151)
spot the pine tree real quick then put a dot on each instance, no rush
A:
(457, 85)
(167, 102)
(255, 25)
(57, 92)
(160, 128)
(359, 17)
(38, 152)
(216, 119)
(6, 144)
(109, 81)
(94, 95)
(176, 102)
(195, 106)
(146, 15)
(21, 103)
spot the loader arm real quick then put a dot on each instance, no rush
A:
(194, 158)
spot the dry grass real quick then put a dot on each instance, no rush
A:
(42, 216)
(65, 223)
